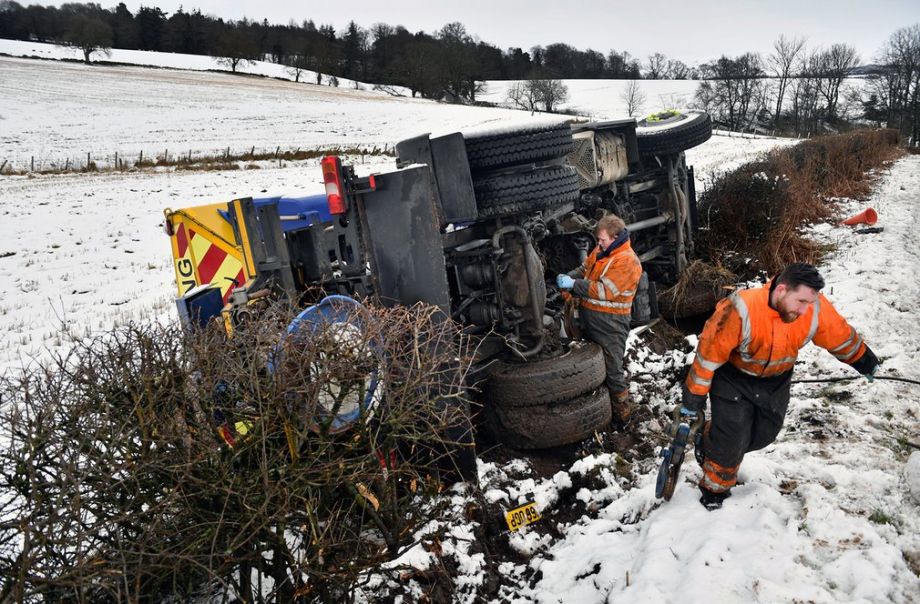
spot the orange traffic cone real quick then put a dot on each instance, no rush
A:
(867, 216)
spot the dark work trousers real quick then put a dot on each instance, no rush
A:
(609, 331)
(747, 414)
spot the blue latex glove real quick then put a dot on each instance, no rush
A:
(688, 413)
(564, 282)
(871, 375)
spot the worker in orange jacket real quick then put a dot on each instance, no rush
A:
(744, 362)
(605, 286)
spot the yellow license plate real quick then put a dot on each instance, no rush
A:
(522, 516)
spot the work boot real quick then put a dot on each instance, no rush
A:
(698, 451)
(620, 404)
(713, 501)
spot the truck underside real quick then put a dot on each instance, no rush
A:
(478, 225)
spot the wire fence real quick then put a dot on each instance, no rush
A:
(180, 158)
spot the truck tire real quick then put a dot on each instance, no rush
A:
(551, 425)
(674, 134)
(527, 145)
(579, 370)
(526, 191)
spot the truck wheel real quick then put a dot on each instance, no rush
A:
(527, 145)
(551, 425)
(673, 134)
(579, 370)
(527, 191)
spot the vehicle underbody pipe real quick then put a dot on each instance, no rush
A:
(679, 215)
(648, 223)
(532, 286)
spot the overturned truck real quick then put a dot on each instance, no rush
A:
(477, 224)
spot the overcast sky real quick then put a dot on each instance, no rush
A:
(694, 31)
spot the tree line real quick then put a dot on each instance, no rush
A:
(446, 64)
(799, 90)
(793, 89)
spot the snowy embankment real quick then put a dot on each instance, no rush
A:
(826, 514)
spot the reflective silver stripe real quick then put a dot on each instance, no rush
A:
(706, 363)
(609, 304)
(814, 322)
(852, 353)
(698, 380)
(742, 369)
(779, 362)
(855, 352)
(849, 341)
(601, 291)
(610, 286)
(712, 486)
(743, 348)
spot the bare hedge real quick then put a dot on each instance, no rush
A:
(757, 212)
(114, 484)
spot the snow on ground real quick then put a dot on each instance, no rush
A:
(824, 515)
(56, 111)
(828, 513)
(107, 109)
(172, 60)
(603, 99)
(90, 251)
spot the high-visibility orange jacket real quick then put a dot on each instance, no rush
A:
(608, 284)
(747, 333)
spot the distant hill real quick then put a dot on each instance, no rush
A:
(867, 70)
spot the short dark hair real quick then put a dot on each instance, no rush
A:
(800, 273)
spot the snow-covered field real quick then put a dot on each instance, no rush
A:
(52, 112)
(825, 514)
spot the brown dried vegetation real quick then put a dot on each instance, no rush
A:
(114, 485)
(753, 217)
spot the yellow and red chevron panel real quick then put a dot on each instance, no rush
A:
(204, 250)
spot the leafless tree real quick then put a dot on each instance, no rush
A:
(237, 48)
(835, 65)
(733, 90)
(899, 84)
(781, 63)
(805, 94)
(677, 70)
(634, 98)
(656, 66)
(90, 35)
(299, 64)
(550, 93)
(522, 95)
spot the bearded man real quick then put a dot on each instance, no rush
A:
(744, 363)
